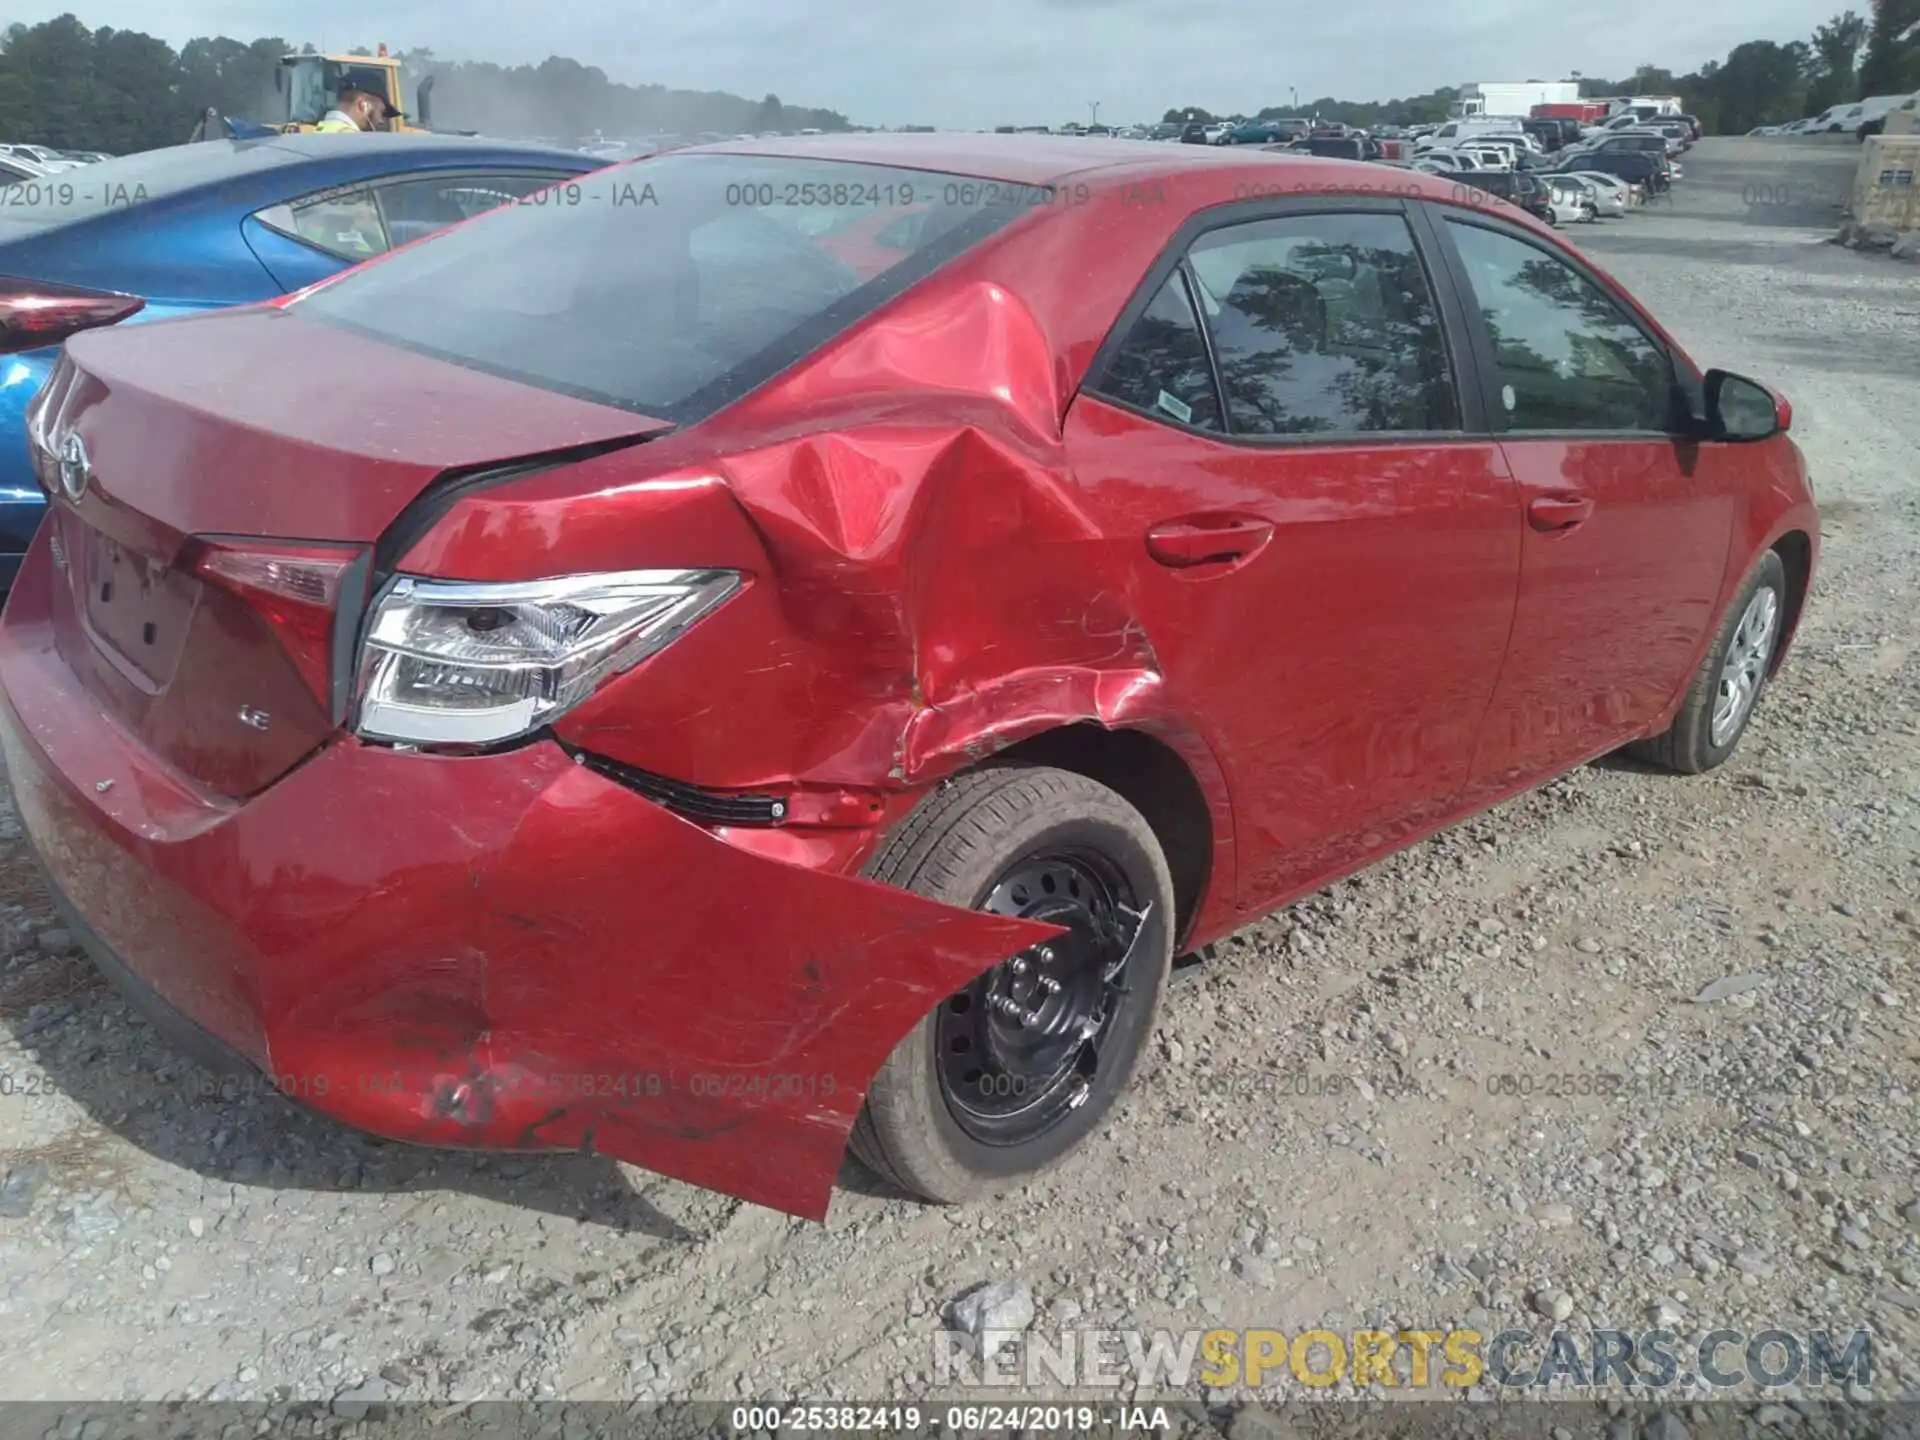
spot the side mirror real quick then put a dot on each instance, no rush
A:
(1744, 410)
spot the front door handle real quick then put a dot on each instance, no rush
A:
(1207, 540)
(1558, 512)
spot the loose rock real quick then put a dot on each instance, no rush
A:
(1253, 1270)
(17, 1191)
(1556, 1305)
(993, 1315)
(1727, 988)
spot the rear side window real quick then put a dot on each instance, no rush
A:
(1324, 324)
(414, 209)
(341, 222)
(1162, 364)
(362, 221)
(673, 285)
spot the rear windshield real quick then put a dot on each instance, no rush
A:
(109, 185)
(670, 286)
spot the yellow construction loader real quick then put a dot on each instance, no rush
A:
(310, 85)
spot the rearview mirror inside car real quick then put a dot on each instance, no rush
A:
(1743, 409)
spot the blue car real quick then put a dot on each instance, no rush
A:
(173, 232)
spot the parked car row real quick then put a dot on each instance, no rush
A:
(1861, 118)
(636, 147)
(55, 159)
(36, 162)
(1559, 170)
(1555, 135)
(1570, 171)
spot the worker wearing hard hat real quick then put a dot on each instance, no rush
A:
(357, 110)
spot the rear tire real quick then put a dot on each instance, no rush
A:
(977, 1100)
(1726, 691)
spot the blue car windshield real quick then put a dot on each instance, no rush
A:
(69, 196)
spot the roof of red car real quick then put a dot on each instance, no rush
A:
(1040, 159)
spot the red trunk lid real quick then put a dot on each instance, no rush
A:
(250, 426)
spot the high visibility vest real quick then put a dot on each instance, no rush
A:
(336, 122)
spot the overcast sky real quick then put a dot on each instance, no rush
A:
(978, 63)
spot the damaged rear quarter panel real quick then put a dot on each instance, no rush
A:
(928, 586)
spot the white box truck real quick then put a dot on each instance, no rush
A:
(1514, 98)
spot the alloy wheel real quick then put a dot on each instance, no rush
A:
(1744, 669)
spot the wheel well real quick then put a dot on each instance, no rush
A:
(1152, 778)
(1796, 556)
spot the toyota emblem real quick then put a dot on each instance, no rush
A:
(76, 470)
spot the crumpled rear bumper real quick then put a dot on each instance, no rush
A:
(500, 952)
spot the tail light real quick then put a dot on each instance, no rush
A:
(44, 414)
(296, 589)
(458, 663)
(36, 313)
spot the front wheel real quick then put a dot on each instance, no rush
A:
(1721, 700)
(1010, 1074)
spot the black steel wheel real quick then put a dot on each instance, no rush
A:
(1006, 1077)
(1020, 1047)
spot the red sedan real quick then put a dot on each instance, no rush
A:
(630, 674)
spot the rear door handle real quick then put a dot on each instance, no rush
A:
(1558, 512)
(1207, 540)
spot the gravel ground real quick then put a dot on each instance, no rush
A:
(1320, 1141)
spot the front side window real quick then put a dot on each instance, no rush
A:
(1162, 367)
(1324, 324)
(1566, 357)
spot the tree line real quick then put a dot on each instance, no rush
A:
(72, 88)
(1761, 82)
